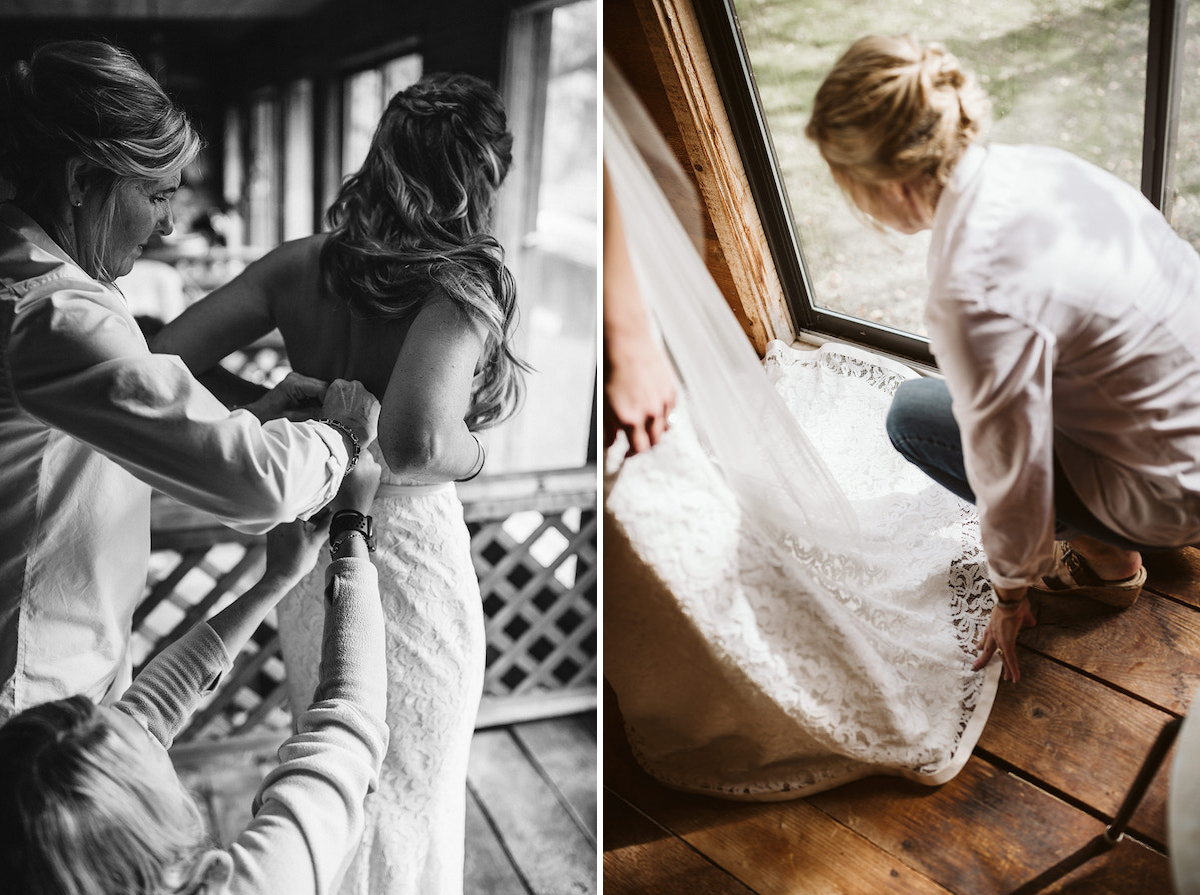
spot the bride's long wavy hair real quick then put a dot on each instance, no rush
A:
(415, 221)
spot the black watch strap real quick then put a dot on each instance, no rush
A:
(345, 521)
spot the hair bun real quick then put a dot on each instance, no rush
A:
(942, 67)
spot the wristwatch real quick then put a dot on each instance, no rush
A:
(348, 522)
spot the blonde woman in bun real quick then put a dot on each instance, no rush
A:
(1064, 313)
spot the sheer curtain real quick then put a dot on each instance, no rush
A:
(788, 604)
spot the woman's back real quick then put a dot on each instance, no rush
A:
(325, 337)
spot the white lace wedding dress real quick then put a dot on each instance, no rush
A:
(752, 668)
(415, 833)
(788, 604)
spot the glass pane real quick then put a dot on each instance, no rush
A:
(363, 104)
(1185, 209)
(400, 73)
(550, 234)
(1065, 73)
(298, 172)
(264, 167)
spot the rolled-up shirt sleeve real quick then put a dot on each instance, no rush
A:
(999, 372)
(79, 364)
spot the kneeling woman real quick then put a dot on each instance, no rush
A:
(1065, 315)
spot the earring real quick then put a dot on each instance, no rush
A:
(78, 203)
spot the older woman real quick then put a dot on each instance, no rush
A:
(89, 418)
(1064, 313)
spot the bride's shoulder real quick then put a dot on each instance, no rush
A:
(290, 261)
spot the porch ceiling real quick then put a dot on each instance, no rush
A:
(158, 9)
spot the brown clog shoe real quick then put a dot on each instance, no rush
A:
(1073, 576)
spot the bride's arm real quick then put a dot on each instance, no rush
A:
(421, 429)
(227, 319)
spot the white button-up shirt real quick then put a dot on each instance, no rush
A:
(89, 421)
(1065, 314)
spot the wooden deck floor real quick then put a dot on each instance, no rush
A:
(1057, 757)
(531, 802)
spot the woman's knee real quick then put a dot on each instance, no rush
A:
(909, 411)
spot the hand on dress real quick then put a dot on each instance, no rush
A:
(350, 403)
(639, 391)
(295, 398)
(1002, 630)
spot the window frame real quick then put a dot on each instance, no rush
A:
(721, 33)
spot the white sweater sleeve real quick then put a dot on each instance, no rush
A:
(168, 690)
(309, 815)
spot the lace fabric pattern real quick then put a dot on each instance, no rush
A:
(753, 666)
(415, 830)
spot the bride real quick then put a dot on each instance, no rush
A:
(787, 606)
(409, 295)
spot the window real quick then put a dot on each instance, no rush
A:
(262, 182)
(548, 226)
(1077, 74)
(366, 95)
(298, 166)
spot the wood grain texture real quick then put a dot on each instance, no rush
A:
(626, 44)
(565, 751)
(487, 869)
(1128, 869)
(641, 858)
(1151, 649)
(982, 833)
(1175, 573)
(673, 34)
(774, 848)
(539, 833)
(1078, 736)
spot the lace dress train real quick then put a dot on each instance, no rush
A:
(414, 839)
(754, 668)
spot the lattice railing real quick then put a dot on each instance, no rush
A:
(533, 540)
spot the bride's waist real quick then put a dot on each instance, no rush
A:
(402, 489)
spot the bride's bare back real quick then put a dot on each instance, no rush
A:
(421, 367)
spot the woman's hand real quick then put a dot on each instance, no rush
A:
(1006, 623)
(639, 390)
(292, 549)
(359, 487)
(295, 398)
(350, 403)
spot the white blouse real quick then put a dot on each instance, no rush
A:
(1065, 314)
(89, 421)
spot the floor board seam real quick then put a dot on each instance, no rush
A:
(1063, 796)
(533, 760)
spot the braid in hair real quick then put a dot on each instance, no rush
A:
(416, 221)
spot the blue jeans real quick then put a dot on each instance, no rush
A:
(923, 429)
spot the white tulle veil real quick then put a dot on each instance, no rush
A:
(777, 475)
(788, 605)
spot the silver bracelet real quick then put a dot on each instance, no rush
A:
(342, 427)
(343, 537)
(480, 459)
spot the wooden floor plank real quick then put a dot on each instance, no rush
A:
(982, 833)
(488, 869)
(1151, 649)
(554, 855)
(776, 848)
(1080, 737)
(565, 749)
(641, 858)
(1175, 573)
(1129, 868)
